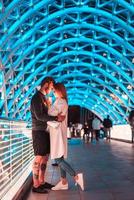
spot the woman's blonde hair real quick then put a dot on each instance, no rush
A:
(61, 88)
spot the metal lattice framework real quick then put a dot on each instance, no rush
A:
(86, 44)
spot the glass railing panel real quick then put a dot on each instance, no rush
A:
(16, 152)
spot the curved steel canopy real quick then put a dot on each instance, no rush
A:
(88, 45)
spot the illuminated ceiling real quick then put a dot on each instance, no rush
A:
(86, 44)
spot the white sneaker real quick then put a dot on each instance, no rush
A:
(60, 186)
(80, 181)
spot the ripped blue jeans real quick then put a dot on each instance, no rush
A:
(65, 167)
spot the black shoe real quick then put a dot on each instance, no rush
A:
(55, 164)
(46, 185)
(39, 190)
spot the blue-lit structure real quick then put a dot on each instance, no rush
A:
(86, 44)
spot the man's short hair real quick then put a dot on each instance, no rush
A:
(47, 79)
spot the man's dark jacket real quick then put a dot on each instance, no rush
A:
(107, 123)
(39, 112)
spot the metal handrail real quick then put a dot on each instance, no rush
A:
(16, 152)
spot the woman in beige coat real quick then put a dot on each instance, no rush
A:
(58, 139)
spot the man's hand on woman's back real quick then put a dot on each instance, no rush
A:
(60, 117)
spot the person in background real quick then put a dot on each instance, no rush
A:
(96, 125)
(86, 131)
(90, 127)
(131, 122)
(73, 130)
(58, 139)
(40, 135)
(107, 123)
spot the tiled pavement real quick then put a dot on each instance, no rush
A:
(108, 169)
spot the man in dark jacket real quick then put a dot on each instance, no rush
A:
(107, 123)
(40, 135)
(131, 122)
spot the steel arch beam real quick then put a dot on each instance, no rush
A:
(73, 40)
(8, 10)
(74, 75)
(64, 67)
(66, 11)
(64, 77)
(24, 17)
(110, 21)
(85, 86)
(52, 47)
(103, 106)
(68, 26)
(74, 26)
(106, 74)
(71, 53)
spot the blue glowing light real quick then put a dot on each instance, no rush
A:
(87, 45)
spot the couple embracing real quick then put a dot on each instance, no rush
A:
(49, 135)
